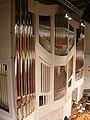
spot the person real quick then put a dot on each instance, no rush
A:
(86, 118)
(66, 118)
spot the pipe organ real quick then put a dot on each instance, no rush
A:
(24, 61)
(25, 95)
(45, 96)
(3, 88)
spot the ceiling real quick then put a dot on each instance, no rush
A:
(82, 5)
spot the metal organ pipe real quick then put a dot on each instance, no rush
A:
(24, 61)
(25, 66)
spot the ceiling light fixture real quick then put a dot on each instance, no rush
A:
(82, 24)
(66, 16)
(69, 18)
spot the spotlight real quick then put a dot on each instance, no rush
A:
(66, 16)
(69, 18)
(82, 24)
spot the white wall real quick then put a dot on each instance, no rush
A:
(74, 94)
(5, 53)
(79, 93)
(87, 38)
(54, 115)
(31, 117)
(5, 41)
(87, 57)
(87, 72)
(66, 109)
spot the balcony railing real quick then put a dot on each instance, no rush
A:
(43, 41)
(58, 94)
(44, 37)
(79, 74)
(64, 39)
(71, 40)
(61, 32)
(62, 50)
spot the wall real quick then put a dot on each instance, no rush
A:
(54, 115)
(5, 40)
(87, 72)
(74, 94)
(87, 38)
(87, 57)
(5, 53)
(80, 93)
(66, 109)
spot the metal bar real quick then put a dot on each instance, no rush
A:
(29, 59)
(32, 59)
(70, 6)
(17, 58)
(26, 56)
(33, 63)
(41, 77)
(30, 69)
(23, 64)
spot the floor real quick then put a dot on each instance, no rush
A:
(85, 116)
(80, 116)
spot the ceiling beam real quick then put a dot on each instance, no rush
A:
(70, 6)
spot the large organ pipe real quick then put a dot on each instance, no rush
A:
(18, 69)
(25, 70)
(17, 59)
(33, 63)
(26, 36)
(24, 61)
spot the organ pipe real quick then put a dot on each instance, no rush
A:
(24, 61)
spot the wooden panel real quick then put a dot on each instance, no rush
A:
(70, 68)
(60, 77)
